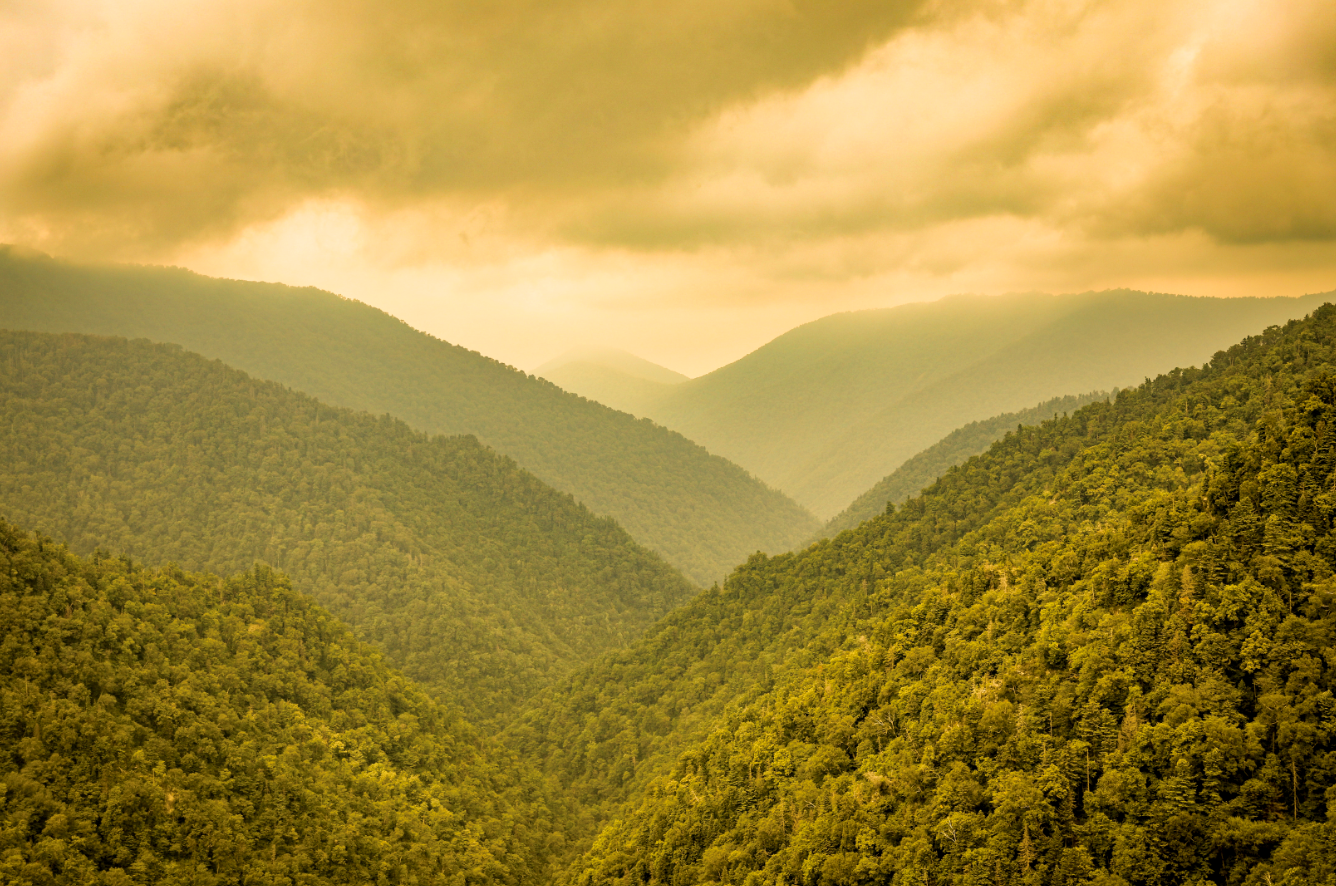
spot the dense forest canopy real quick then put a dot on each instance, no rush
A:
(826, 410)
(160, 726)
(919, 472)
(701, 512)
(472, 575)
(1098, 653)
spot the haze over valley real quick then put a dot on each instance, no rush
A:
(827, 409)
(616, 444)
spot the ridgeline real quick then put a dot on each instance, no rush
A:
(1098, 653)
(828, 409)
(473, 576)
(701, 512)
(921, 471)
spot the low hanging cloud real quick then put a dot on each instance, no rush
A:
(157, 121)
(1110, 120)
(761, 139)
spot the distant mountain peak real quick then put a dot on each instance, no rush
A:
(616, 359)
(827, 409)
(700, 511)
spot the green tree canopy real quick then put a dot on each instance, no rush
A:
(1098, 653)
(701, 512)
(160, 726)
(471, 574)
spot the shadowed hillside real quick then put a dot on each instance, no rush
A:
(472, 575)
(922, 470)
(701, 512)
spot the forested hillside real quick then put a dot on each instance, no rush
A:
(167, 727)
(701, 512)
(826, 410)
(1098, 653)
(919, 472)
(472, 575)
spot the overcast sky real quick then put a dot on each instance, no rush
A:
(685, 180)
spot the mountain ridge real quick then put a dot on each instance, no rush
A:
(697, 509)
(925, 468)
(622, 361)
(1079, 657)
(829, 408)
(473, 576)
(615, 378)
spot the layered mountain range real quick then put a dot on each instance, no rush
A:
(253, 634)
(701, 512)
(472, 576)
(828, 409)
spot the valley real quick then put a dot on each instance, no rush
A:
(733, 443)
(826, 410)
(285, 640)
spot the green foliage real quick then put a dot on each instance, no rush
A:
(472, 575)
(826, 410)
(922, 470)
(1099, 653)
(166, 727)
(701, 512)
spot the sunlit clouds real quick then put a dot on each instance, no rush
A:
(687, 182)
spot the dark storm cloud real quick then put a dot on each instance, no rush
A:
(141, 128)
(259, 105)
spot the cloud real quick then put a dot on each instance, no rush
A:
(157, 121)
(1117, 119)
(686, 180)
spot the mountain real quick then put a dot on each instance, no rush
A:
(829, 408)
(922, 470)
(612, 377)
(161, 726)
(702, 513)
(614, 360)
(473, 576)
(1097, 653)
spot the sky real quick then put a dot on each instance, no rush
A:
(682, 180)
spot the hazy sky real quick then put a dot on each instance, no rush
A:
(685, 180)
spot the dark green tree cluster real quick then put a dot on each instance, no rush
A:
(701, 512)
(472, 575)
(1100, 653)
(919, 472)
(166, 727)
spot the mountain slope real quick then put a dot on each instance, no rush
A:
(167, 727)
(701, 512)
(614, 360)
(472, 575)
(826, 410)
(1097, 653)
(614, 378)
(922, 470)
